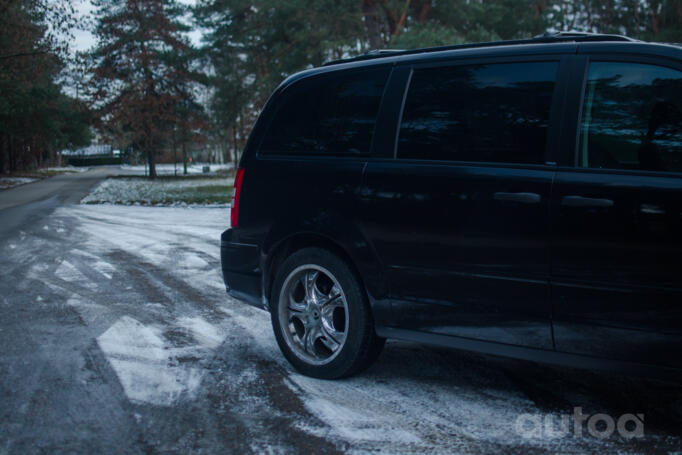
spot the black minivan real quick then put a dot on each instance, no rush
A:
(515, 198)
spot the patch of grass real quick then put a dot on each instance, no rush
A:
(163, 191)
(213, 189)
(206, 194)
(166, 178)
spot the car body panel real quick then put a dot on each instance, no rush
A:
(617, 252)
(483, 257)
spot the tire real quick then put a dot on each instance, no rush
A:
(325, 329)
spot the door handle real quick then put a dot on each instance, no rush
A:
(524, 198)
(589, 202)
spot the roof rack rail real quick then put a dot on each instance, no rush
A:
(547, 37)
(581, 36)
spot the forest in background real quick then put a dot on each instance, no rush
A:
(36, 117)
(146, 89)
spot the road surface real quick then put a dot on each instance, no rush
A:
(116, 336)
(24, 204)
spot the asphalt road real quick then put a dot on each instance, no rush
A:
(116, 336)
(25, 204)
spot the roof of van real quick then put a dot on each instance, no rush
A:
(546, 38)
(548, 43)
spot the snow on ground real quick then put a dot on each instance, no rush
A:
(416, 399)
(10, 182)
(170, 169)
(398, 406)
(151, 365)
(67, 169)
(144, 362)
(169, 192)
(90, 150)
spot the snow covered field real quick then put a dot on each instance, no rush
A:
(169, 192)
(200, 371)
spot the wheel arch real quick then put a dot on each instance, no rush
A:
(275, 255)
(287, 246)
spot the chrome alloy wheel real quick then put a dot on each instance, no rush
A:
(313, 314)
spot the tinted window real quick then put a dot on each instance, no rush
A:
(632, 118)
(494, 113)
(327, 115)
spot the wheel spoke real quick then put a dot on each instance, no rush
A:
(331, 300)
(311, 334)
(327, 311)
(328, 340)
(293, 332)
(329, 331)
(333, 295)
(308, 280)
(294, 306)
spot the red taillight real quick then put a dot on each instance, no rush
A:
(234, 213)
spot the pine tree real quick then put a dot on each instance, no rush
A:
(253, 44)
(141, 71)
(36, 118)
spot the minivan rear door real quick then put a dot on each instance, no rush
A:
(617, 213)
(456, 200)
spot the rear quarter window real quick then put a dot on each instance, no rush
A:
(632, 118)
(327, 115)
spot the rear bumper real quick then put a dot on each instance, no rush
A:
(241, 270)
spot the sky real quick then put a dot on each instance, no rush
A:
(84, 39)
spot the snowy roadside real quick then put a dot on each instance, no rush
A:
(416, 399)
(117, 319)
(34, 176)
(164, 348)
(163, 192)
(63, 169)
(11, 182)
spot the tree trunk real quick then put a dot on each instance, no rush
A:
(151, 158)
(235, 156)
(225, 149)
(403, 17)
(654, 20)
(588, 11)
(391, 17)
(424, 12)
(242, 133)
(184, 154)
(3, 148)
(369, 11)
(539, 9)
(10, 155)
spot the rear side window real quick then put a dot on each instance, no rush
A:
(328, 115)
(489, 113)
(632, 118)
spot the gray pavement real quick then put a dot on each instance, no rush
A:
(27, 203)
